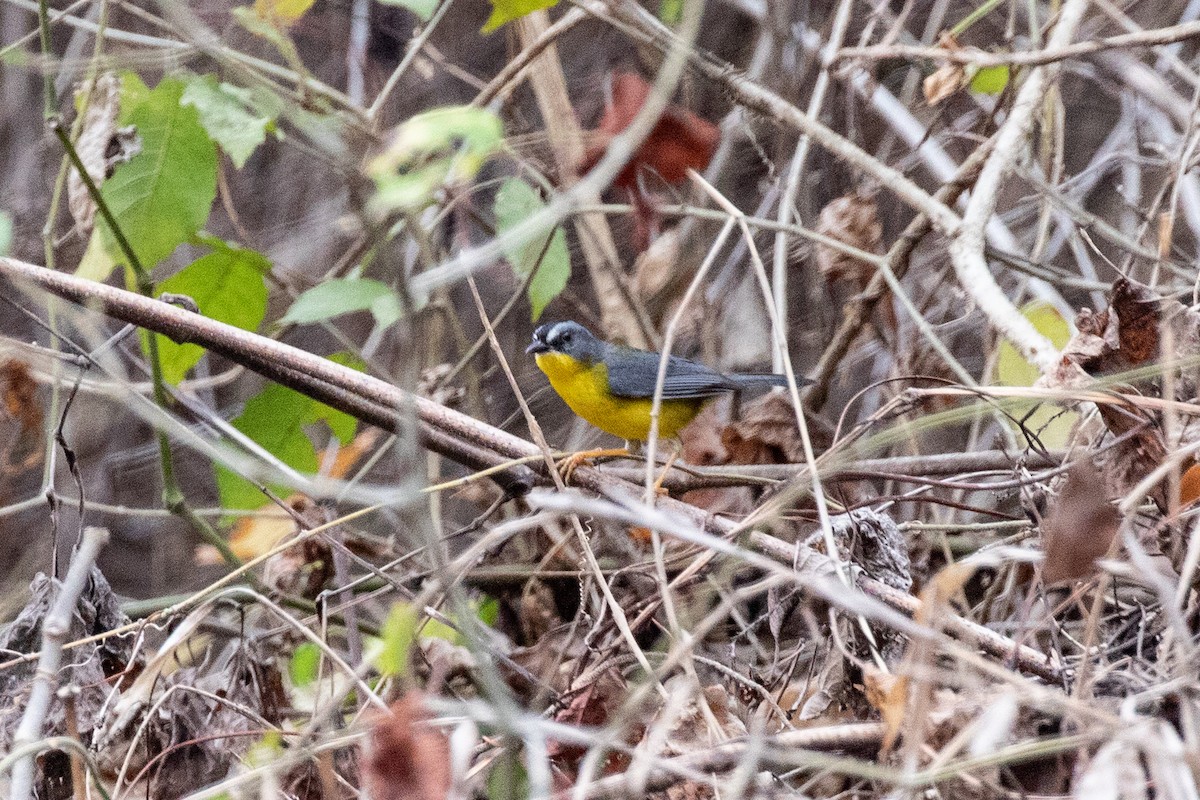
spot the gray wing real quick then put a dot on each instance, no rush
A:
(685, 379)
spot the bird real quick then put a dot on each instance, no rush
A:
(612, 386)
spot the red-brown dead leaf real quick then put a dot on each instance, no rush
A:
(702, 446)
(1137, 308)
(679, 141)
(1080, 526)
(406, 758)
(20, 419)
(1128, 333)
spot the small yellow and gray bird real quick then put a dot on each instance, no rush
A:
(612, 386)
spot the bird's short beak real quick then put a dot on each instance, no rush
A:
(536, 347)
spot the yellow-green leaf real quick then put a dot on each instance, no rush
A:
(282, 12)
(990, 80)
(1052, 424)
(399, 632)
(442, 146)
(228, 286)
(505, 11)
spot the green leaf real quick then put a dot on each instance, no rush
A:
(305, 664)
(516, 202)
(399, 632)
(228, 286)
(335, 298)
(6, 228)
(670, 12)
(162, 195)
(990, 80)
(277, 418)
(255, 23)
(282, 12)
(505, 11)
(422, 8)
(507, 779)
(342, 425)
(274, 418)
(1049, 422)
(96, 264)
(232, 115)
(489, 611)
(444, 146)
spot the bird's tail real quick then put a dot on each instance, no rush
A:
(747, 380)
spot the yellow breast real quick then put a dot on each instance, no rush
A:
(584, 387)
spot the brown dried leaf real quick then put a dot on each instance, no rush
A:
(1189, 486)
(20, 420)
(766, 434)
(1128, 333)
(304, 568)
(948, 79)
(888, 694)
(101, 146)
(1080, 527)
(702, 446)
(538, 612)
(406, 758)
(595, 698)
(854, 220)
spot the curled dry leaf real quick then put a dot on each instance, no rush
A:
(949, 77)
(1128, 334)
(101, 147)
(1080, 527)
(947, 80)
(854, 220)
(1125, 335)
(406, 758)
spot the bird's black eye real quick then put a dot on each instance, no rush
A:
(565, 337)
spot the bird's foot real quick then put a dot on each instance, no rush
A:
(568, 465)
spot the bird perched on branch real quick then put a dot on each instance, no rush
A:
(612, 386)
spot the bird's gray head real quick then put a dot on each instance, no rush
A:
(569, 338)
